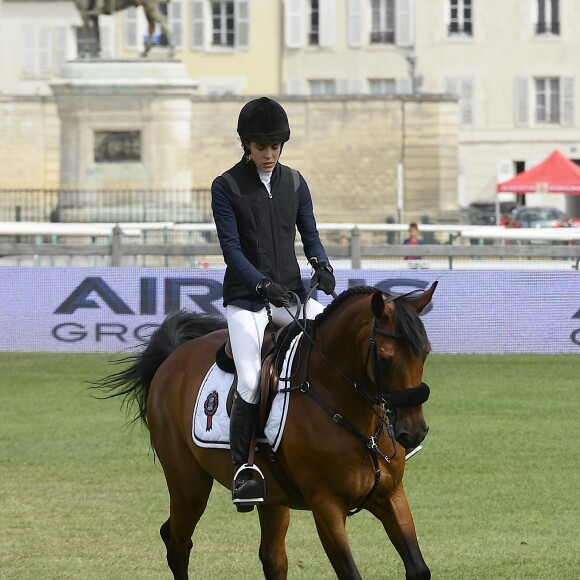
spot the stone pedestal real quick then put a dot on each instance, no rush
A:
(125, 125)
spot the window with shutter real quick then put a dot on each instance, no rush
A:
(382, 86)
(521, 101)
(62, 44)
(327, 22)
(505, 170)
(106, 28)
(175, 22)
(404, 86)
(242, 24)
(405, 27)
(222, 19)
(197, 25)
(460, 21)
(38, 47)
(382, 22)
(349, 86)
(462, 87)
(131, 28)
(547, 104)
(293, 24)
(320, 87)
(567, 109)
(44, 51)
(217, 24)
(29, 51)
(314, 32)
(355, 23)
(294, 86)
(548, 17)
(466, 102)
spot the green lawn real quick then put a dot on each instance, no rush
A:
(494, 493)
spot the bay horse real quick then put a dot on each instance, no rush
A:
(355, 407)
(89, 11)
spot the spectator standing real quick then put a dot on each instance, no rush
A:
(414, 239)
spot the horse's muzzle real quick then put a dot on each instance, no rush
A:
(411, 439)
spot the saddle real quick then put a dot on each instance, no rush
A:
(272, 355)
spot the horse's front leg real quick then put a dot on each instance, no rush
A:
(330, 519)
(97, 35)
(274, 521)
(395, 515)
(149, 42)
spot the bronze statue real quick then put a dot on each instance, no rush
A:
(91, 9)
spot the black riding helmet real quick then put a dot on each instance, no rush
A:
(263, 121)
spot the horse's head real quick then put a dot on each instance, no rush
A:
(397, 351)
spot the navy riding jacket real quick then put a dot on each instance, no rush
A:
(257, 230)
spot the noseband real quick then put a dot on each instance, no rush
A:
(404, 398)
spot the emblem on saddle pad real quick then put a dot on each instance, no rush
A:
(210, 407)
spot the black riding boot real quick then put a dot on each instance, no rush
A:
(246, 492)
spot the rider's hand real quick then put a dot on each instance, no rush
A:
(322, 277)
(275, 294)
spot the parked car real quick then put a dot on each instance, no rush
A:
(483, 213)
(538, 217)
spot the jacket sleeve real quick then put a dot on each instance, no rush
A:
(228, 235)
(306, 224)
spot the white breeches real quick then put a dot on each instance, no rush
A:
(246, 330)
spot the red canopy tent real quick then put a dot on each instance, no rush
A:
(556, 174)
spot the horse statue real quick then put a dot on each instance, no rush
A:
(91, 9)
(355, 409)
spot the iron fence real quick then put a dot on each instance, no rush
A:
(94, 206)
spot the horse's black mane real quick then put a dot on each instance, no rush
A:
(407, 322)
(340, 299)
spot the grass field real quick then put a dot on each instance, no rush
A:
(494, 493)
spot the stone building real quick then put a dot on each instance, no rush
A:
(512, 65)
(348, 148)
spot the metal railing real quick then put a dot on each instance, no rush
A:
(123, 205)
(116, 242)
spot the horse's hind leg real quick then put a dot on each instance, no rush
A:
(395, 515)
(274, 521)
(189, 488)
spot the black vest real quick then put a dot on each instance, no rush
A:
(266, 226)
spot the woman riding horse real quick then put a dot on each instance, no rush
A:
(355, 393)
(257, 206)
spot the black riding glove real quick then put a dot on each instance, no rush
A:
(323, 276)
(275, 294)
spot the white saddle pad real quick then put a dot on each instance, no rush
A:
(211, 423)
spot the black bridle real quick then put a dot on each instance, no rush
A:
(404, 398)
(387, 401)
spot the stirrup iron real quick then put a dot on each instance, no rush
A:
(261, 481)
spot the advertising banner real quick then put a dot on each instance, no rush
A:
(115, 309)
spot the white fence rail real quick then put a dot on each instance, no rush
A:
(18, 239)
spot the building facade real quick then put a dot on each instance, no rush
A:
(511, 65)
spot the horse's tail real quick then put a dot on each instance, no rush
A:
(133, 382)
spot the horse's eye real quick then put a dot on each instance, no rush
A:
(386, 362)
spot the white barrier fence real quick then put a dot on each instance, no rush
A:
(114, 243)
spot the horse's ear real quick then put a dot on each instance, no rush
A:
(378, 304)
(425, 298)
